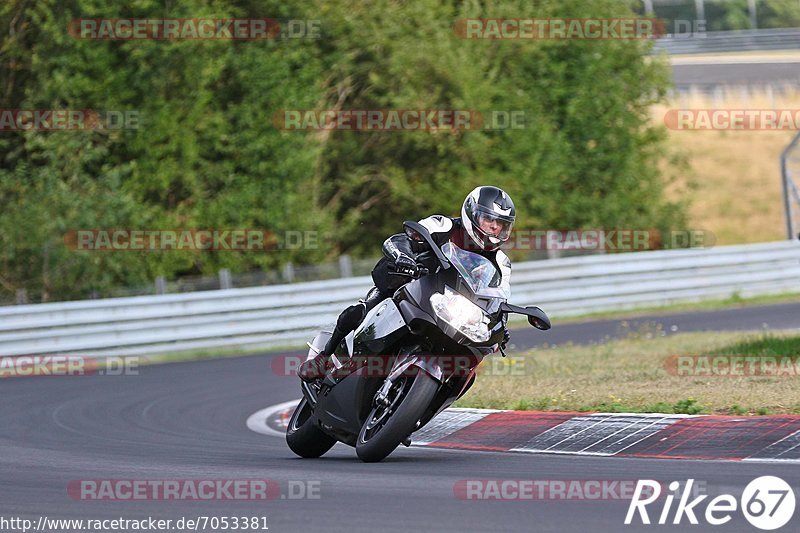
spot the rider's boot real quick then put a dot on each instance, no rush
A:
(348, 321)
(317, 366)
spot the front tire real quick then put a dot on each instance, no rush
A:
(303, 437)
(377, 438)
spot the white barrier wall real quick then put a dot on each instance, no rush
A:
(286, 315)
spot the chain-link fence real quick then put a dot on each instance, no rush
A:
(790, 166)
(289, 273)
(724, 15)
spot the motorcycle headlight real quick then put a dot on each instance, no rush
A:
(462, 314)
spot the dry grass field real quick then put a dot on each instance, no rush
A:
(733, 180)
(640, 374)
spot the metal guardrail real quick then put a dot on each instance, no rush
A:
(790, 173)
(287, 315)
(731, 41)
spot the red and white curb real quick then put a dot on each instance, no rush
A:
(707, 437)
(272, 420)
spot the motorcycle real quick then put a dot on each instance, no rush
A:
(412, 356)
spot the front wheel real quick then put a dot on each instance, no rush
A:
(303, 437)
(389, 424)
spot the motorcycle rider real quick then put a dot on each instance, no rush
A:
(487, 217)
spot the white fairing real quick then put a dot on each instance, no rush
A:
(385, 317)
(316, 345)
(437, 224)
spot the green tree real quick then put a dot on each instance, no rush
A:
(588, 156)
(206, 153)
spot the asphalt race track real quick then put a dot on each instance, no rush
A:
(776, 316)
(186, 421)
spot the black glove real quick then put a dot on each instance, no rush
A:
(405, 265)
(506, 338)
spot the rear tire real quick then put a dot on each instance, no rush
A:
(373, 446)
(303, 437)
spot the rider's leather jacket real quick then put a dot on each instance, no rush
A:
(443, 229)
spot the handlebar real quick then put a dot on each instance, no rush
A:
(421, 271)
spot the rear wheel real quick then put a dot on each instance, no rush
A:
(390, 422)
(303, 437)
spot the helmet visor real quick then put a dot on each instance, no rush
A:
(493, 225)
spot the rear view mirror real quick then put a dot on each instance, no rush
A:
(537, 318)
(537, 323)
(414, 235)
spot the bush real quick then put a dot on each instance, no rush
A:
(206, 154)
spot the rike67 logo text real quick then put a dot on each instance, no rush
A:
(767, 502)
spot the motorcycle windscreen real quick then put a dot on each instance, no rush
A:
(478, 273)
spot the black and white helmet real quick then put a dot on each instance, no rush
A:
(488, 216)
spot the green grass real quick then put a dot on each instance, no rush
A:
(765, 345)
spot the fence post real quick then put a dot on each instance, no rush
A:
(345, 267)
(700, 10)
(161, 285)
(22, 296)
(552, 253)
(288, 272)
(225, 279)
(751, 8)
(787, 189)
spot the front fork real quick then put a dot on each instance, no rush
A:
(310, 392)
(403, 363)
